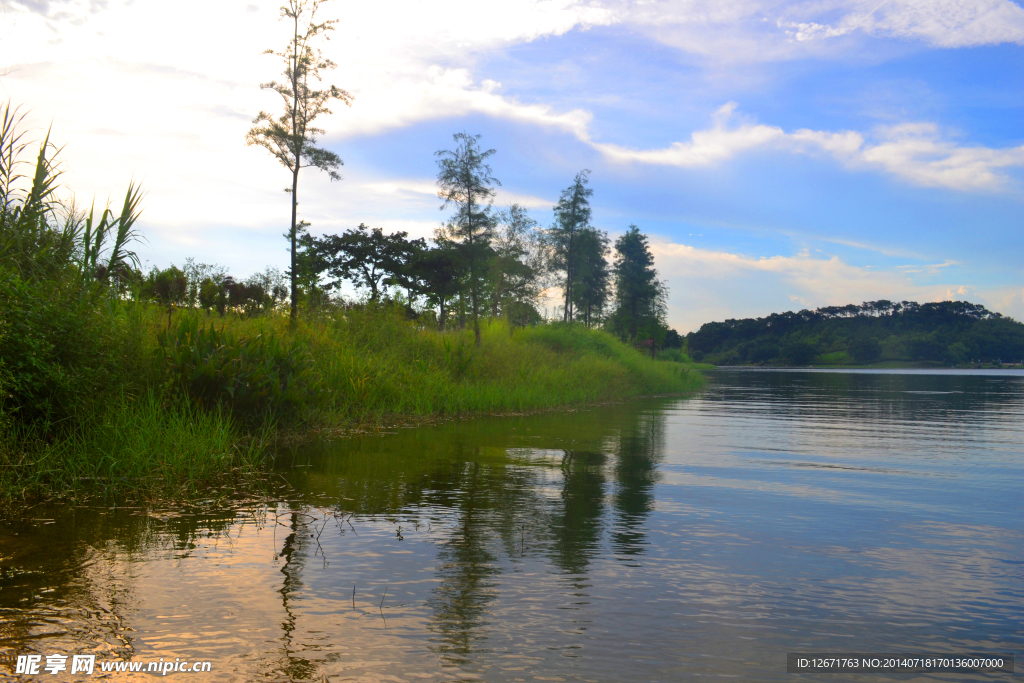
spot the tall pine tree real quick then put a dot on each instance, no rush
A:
(464, 179)
(639, 296)
(572, 216)
(591, 276)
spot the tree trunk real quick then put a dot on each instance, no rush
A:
(294, 239)
(293, 316)
(496, 295)
(473, 292)
(568, 279)
(473, 284)
(567, 315)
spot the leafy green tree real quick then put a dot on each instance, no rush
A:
(798, 351)
(211, 295)
(291, 137)
(517, 264)
(274, 287)
(639, 296)
(406, 276)
(957, 353)
(438, 272)
(198, 273)
(904, 331)
(168, 286)
(572, 216)
(367, 257)
(464, 180)
(310, 266)
(592, 278)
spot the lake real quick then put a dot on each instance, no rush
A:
(660, 540)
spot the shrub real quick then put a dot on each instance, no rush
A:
(673, 354)
(256, 378)
(59, 353)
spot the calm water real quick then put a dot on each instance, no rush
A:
(656, 541)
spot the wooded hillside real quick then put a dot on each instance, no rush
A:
(947, 332)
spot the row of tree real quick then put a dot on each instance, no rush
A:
(951, 332)
(482, 261)
(496, 262)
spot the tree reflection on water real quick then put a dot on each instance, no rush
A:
(495, 495)
(611, 543)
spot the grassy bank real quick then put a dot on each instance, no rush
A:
(105, 391)
(141, 407)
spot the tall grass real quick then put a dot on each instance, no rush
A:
(206, 393)
(371, 363)
(141, 446)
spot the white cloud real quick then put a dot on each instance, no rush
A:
(166, 91)
(706, 147)
(428, 188)
(766, 30)
(915, 152)
(706, 285)
(146, 89)
(918, 153)
(131, 95)
(945, 23)
(433, 93)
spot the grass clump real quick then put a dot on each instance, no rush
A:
(141, 446)
(256, 378)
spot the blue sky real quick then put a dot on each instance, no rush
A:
(779, 154)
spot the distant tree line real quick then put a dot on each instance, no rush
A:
(947, 332)
(211, 288)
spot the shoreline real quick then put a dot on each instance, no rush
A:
(246, 481)
(877, 366)
(293, 437)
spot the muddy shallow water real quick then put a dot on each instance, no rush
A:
(654, 541)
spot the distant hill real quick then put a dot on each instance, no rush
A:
(947, 332)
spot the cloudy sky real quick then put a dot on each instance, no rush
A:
(781, 155)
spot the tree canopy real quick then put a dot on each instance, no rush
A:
(639, 296)
(369, 258)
